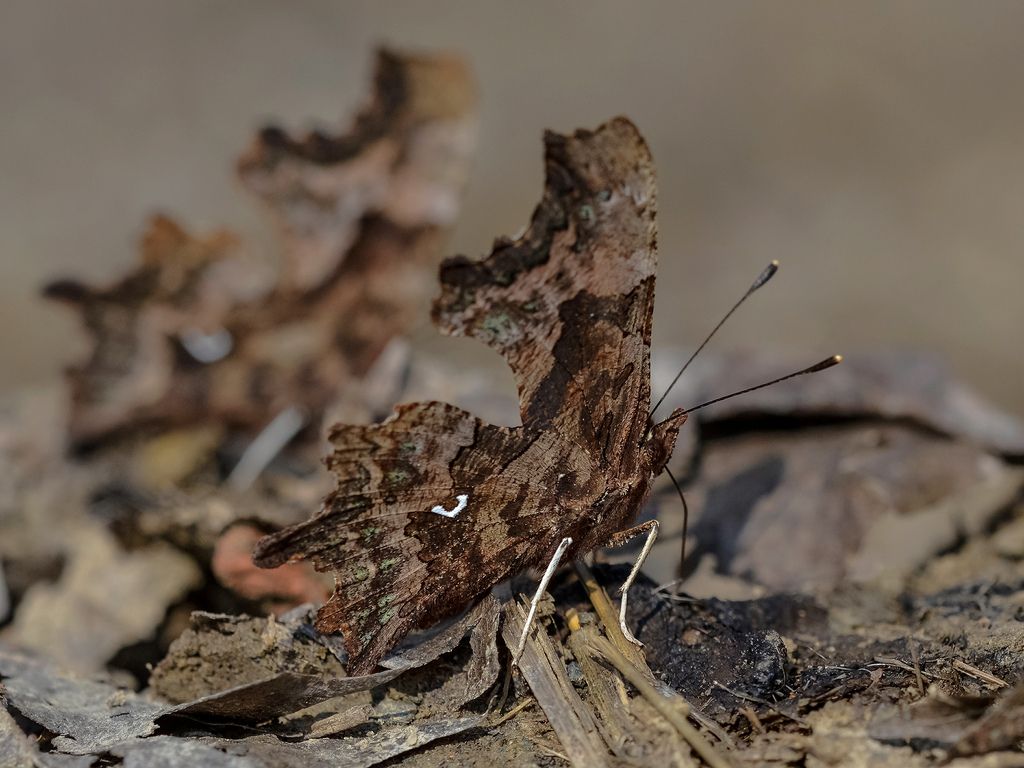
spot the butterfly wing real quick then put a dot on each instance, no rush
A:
(398, 564)
(569, 303)
(569, 306)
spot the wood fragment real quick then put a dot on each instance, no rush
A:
(610, 621)
(979, 674)
(626, 724)
(545, 673)
(607, 614)
(665, 706)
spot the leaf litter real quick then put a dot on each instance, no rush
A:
(853, 594)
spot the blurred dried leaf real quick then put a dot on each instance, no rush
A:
(105, 599)
(280, 588)
(807, 510)
(396, 174)
(187, 339)
(166, 460)
(5, 597)
(1002, 727)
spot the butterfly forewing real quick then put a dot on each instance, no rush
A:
(569, 304)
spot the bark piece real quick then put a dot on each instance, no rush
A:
(87, 717)
(545, 673)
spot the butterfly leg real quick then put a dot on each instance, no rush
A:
(545, 579)
(617, 540)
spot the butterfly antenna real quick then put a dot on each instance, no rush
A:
(764, 277)
(823, 365)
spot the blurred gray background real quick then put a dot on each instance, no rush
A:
(876, 149)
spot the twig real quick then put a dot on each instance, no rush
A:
(609, 618)
(915, 657)
(763, 702)
(886, 661)
(545, 673)
(755, 721)
(268, 443)
(548, 750)
(606, 612)
(512, 712)
(979, 674)
(665, 708)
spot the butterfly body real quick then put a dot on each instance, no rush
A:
(569, 306)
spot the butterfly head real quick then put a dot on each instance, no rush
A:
(660, 440)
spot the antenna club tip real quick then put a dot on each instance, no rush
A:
(765, 276)
(828, 362)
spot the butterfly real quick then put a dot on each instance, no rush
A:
(433, 507)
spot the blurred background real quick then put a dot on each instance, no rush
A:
(876, 149)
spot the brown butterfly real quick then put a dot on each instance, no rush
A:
(433, 507)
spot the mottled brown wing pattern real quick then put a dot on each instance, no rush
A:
(569, 304)
(397, 563)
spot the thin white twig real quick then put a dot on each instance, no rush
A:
(268, 443)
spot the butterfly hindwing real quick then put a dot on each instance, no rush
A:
(397, 563)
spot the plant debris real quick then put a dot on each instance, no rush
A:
(854, 583)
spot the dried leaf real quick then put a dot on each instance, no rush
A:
(808, 510)
(404, 163)
(280, 589)
(218, 652)
(357, 752)
(171, 752)
(185, 339)
(289, 690)
(87, 717)
(106, 598)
